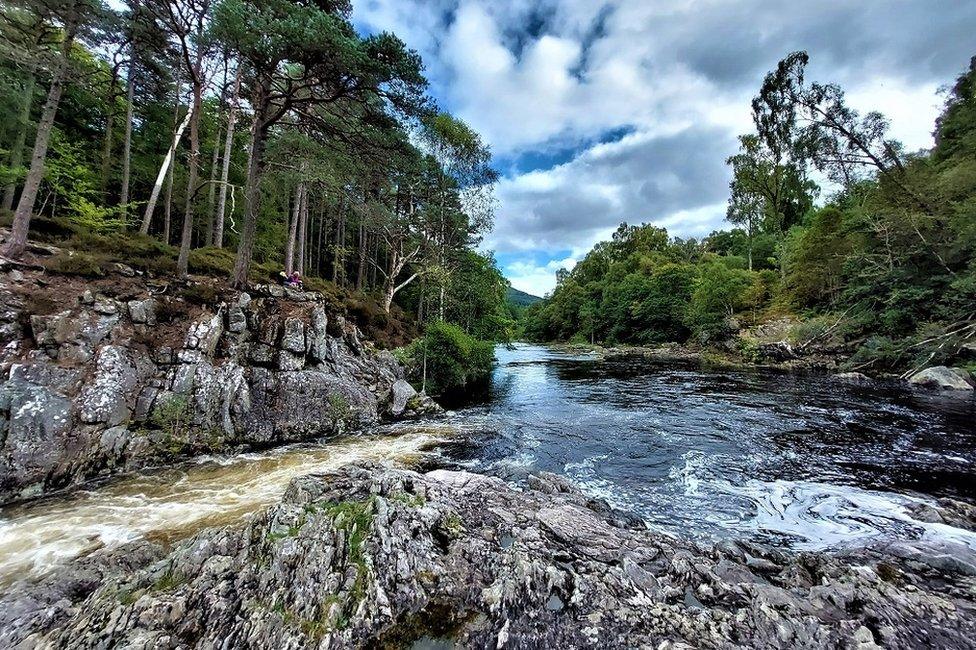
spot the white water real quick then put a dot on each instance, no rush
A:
(173, 504)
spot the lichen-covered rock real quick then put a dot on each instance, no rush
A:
(942, 377)
(142, 311)
(400, 395)
(84, 399)
(374, 557)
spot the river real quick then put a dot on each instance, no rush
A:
(796, 460)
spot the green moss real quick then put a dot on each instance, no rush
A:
(168, 413)
(128, 596)
(412, 500)
(217, 262)
(78, 263)
(339, 411)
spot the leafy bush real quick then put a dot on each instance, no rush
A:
(453, 359)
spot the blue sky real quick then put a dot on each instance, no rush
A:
(602, 111)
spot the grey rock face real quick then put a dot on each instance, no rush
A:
(87, 401)
(942, 377)
(400, 394)
(382, 557)
(142, 311)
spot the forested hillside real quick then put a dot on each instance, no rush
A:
(885, 263)
(520, 298)
(239, 139)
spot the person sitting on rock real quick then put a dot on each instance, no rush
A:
(295, 281)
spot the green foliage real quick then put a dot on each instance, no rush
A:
(644, 288)
(718, 292)
(452, 358)
(887, 264)
(340, 412)
(169, 413)
(355, 519)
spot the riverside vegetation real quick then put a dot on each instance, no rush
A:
(884, 272)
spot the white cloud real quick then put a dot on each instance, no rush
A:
(545, 75)
(539, 279)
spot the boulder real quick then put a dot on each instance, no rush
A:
(81, 399)
(943, 377)
(293, 336)
(142, 312)
(400, 394)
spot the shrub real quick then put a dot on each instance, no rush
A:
(218, 262)
(201, 294)
(77, 263)
(454, 359)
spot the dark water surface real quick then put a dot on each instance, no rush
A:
(797, 459)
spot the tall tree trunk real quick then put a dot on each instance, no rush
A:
(168, 207)
(130, 86)
(302, 232)
(20, 141)
(17, 243)
(186, 240)
(252, 193)
(163, 169)
(106, 170)
(218, 239)
(361, 267)
(391, 288)
(293, 230)
(211, 192)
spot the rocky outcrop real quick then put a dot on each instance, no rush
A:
(942, 377)
(385, 558)
(99, 384)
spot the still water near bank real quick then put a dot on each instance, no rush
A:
(796, 460)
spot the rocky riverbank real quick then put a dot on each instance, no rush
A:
(779, 355)
(106, 376)
(385, 558)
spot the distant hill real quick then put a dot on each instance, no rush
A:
(520, 298)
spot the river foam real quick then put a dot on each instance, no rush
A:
(175, 503)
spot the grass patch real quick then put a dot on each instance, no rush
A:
(169, 581)
(355, 519)
(410, 500)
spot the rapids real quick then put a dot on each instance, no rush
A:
(799, 461)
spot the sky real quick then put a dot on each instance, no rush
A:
(605, 111)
